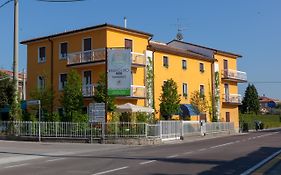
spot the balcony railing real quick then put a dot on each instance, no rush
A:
(138, 91)
(86, 56)
(235, 75)
(88, 90)
(232, 98)
(96, 55)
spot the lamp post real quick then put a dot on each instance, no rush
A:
(16, 48)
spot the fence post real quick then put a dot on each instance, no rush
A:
(102, 130)
(160, 129)
(182, 130)
(91, 125)
(116, 128)
(146, 130)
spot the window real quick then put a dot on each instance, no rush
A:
(41, 54)
(63, 51)
(202, 91)
(165, 61)
(184, 89)
(129, 44)
(41, 82)
(87, 47)
(183, 62)
(62, 81)
(201, 67)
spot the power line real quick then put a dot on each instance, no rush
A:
(61, 0)
(5, 3)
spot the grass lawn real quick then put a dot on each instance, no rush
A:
(269, 121)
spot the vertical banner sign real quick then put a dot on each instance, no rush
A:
(119, 72)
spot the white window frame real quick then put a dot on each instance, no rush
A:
(203, 70)
(185, 64)
(39, 83)
(60, 83)
(38, 55)
(184, 89)
(167, 61)
(60, 55)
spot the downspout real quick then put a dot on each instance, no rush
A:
(52, 71)
(153, 71)
(213, 88)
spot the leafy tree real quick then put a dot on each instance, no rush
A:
(199, 103)
(72, 98)
(101, 96)
(169, 99)
(250, 103)
(46, 97)
(7, 90)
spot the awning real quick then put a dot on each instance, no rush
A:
(188, 110)
(128, 107)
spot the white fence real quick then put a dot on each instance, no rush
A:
(165, 130)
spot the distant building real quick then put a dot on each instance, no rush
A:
(266, 102)
(22, 82)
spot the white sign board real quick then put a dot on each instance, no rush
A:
(96, 112)
(119, 72)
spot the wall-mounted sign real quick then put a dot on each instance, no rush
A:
(119, 72)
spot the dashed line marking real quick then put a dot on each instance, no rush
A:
(18, 165)
(172, 156)
(189, 152)
(109, 171)
(225, 144)
(52, 160)
(147, 162)
(203, 149)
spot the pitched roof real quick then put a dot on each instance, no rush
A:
(10, 73)
(162, 47)
(264, 99)
(86, 29)
(209, 48)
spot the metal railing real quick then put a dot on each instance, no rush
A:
(165, 130)
(138, 91)
(90, 56)
(217, 127)
(234, 74)
(232, 98)
(86, 56)
(88, 90)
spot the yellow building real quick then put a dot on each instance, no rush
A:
(193, 67)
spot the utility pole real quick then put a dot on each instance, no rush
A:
(16, 48)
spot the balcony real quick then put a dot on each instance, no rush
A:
(136, 92)
(235, 99)
(234, 75)
(88, 90)
(98, 56)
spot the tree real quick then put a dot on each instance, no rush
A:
(101, 96)
(199, 102)
(250, 102)
(7, 90)
(72, 98)
(46, 97)
(169, 99)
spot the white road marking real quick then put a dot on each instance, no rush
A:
(189, 152)
(250, 170)
(13, 159)
(172, 156)
(109, 171)
(225, 144)
(142, 163)
(18, 165)
(52, 160)
(203, 149)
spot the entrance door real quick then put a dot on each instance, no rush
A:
(227, 116)
(87, 47)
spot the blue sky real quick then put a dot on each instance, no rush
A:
(251, 28)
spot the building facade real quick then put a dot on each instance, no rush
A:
(194, 68)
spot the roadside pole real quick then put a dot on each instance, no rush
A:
(39, 127)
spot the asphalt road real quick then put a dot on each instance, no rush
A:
(224, 155)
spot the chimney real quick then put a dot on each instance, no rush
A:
(125, 22)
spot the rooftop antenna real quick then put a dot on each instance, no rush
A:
(125, 22)
(180, 30)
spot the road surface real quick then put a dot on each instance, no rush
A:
(224, 155)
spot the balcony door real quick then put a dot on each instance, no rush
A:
(225, 67)
(226, 92)
(87, 83)
(87, 47)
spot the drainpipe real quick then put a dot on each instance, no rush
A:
(52, 71)
(213, 87)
